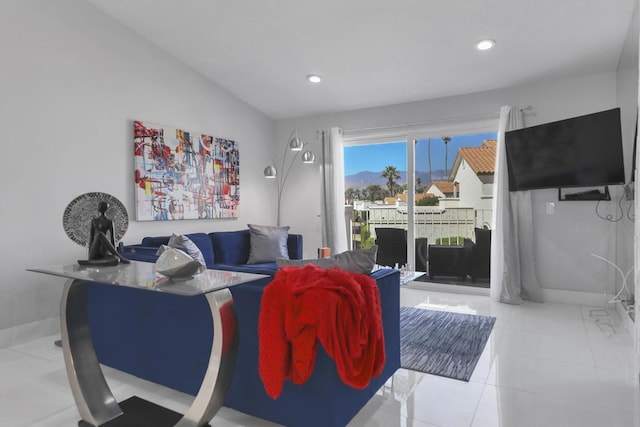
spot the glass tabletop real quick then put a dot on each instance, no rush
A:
(143, 275)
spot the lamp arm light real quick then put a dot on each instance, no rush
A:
(281, 184)
(295, 145)
(282, 178)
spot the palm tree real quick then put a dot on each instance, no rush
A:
(446, 140)
(391, 173)
(429, 157)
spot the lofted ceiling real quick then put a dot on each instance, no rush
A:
(377, 52)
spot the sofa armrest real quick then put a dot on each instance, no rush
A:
(384, 272)
(128, 324)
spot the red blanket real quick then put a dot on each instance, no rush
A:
(304, 305)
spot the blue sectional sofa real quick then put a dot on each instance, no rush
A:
(166, 338)
(222, 250)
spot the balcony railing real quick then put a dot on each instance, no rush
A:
(434, 223)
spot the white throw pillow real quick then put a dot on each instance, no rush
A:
(184, 243)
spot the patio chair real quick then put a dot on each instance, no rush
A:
(449, 260)
(392, 248)
(480, 259)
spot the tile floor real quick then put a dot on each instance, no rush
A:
(544, 365)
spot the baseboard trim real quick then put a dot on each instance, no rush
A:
(29, 331)
(575, 297)
(549, 295)
(443, 287)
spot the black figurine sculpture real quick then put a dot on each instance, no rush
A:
(102, 250)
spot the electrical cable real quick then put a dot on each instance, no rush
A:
(624, 277)
(601, 317)
(610, 217)
(631, 217)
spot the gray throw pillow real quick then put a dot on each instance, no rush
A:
(184, 243)
(360, 261)
(267, 243)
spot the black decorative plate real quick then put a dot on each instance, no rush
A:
(77, 217)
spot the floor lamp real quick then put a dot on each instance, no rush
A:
(294, 145)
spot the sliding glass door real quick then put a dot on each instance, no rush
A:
(453, 196)
(419, 191)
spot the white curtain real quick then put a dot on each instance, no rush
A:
(334, 229)
(513, 266)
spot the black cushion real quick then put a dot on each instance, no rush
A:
(392, 246)
(480, 263)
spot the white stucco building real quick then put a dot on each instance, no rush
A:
(442, 189)
(472, 177)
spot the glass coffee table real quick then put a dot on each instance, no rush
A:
(94, 399)
(409, 276)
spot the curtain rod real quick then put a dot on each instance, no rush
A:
(426, 122)
(468, 117)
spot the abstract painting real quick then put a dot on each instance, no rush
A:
(184, 175)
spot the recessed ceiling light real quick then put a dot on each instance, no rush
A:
(485, 44)
(314, 78)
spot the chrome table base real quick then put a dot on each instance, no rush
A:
(96, 403)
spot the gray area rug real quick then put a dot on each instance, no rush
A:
(442, 343)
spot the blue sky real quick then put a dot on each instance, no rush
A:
(376, 157)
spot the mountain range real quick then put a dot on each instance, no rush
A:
(365, 178)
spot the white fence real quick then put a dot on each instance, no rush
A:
(430, 222)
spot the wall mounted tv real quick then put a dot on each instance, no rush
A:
(583, 151)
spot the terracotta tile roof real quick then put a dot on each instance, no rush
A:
(389, 200)
(445, 186)
(491, 143)
(481, 159)
(419, 196)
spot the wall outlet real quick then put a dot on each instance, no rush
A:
(551, 208)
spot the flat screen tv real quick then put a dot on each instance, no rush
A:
(583, 151)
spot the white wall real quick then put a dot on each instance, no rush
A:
(564, 240)
(627, 94)
(435, 191)
(470, 187)
(72, 81)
